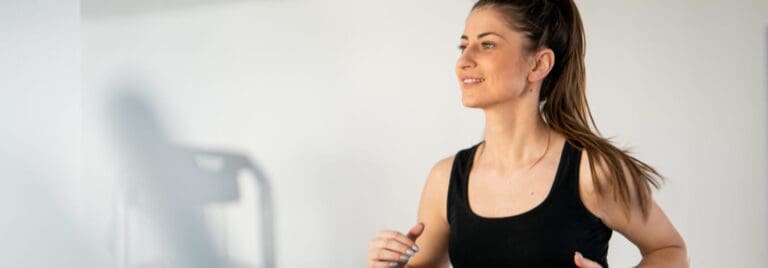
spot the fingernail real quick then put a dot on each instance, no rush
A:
(415, 248)
(404, 258)
(393, 264)
(578, 255)
(410, 252)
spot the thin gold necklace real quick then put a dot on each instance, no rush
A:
(549, 133)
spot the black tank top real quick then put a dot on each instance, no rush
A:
(545, 236)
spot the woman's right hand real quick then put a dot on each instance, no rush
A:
(392, 248)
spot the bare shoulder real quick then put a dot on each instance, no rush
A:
(443, 166)
(441, 171)
(436, 187)
(432, 212)
(593, 201)
(604, 205)
(650, 234)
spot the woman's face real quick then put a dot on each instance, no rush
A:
(493, 66)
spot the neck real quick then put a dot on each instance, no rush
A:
(515, 137)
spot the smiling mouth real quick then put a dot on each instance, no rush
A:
(472, 81)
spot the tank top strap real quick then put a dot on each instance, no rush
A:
(568, 197)
(568, 168)
(458, 181)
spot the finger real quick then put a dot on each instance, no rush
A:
(393, 245)
(388, 255)
(416, 231)
(584, 262)
(384, 264)
(399, 237)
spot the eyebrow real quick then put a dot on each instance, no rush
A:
(464, 37)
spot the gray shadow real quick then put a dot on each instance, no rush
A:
(95, 9)
(165, 183)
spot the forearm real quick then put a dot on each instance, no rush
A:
(675, 256)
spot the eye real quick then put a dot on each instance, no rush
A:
(488, 45)
(462, 47)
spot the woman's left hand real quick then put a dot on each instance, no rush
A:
(582, 262)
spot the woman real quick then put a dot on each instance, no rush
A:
(542, 189)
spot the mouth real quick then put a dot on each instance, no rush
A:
(471, 81)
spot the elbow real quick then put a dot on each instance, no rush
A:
(670, 256)
(682, 252)
(683, 260)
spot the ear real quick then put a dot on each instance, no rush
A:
(543, 60)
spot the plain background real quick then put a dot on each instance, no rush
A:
(346, 105)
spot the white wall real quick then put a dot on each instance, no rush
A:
(684, 82)
(41, 210)
(345, 105)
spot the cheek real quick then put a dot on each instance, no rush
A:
(510, 75)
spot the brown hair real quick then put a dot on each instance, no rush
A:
(556, 24)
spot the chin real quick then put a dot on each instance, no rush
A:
(472, 103)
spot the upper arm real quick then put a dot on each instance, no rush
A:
(433, 242)
(655, 233)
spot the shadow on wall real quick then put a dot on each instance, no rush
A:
(164, 194)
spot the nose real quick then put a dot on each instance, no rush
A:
(466, 60)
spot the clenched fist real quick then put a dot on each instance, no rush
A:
(392, 248)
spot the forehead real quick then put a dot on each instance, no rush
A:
(487, 19)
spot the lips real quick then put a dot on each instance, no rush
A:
(469, 80)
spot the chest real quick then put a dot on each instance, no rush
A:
(493, 195)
